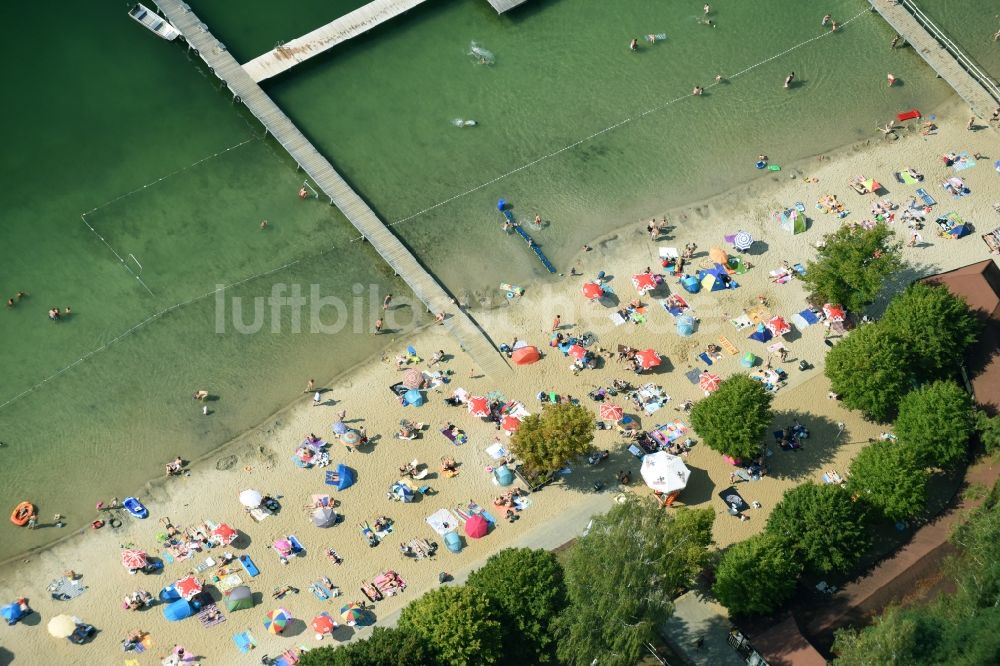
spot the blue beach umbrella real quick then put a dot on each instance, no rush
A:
(685, 325)
(413, 397)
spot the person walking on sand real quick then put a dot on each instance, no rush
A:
(317, 399)
(789, 79)
(311, 386)
(378, 326)
(556, 323)
(972, 123)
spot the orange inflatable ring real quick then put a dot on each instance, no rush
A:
(97, 524)
(22, 513)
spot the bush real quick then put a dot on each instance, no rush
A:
(936, 327)
(457, 624)
(888, 477)
(756, 576)
(869, 371)
(989, 431)
(526, 588)
(852, 266)
(821, 526)
(936, 421)
(385, 647)
(733, 419)
(549, 440)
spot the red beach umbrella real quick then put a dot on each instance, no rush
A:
(611, 412)
(476, 527)
(188, 587)
(133, 559)
(708, 382)
(479, 406)
(525, 355)
(225, 534)
(577, 352)
(592, 290)
(323, 624)
(644, 282)
(778, 326)
(510, 423)
(648, 358)
(834, 312)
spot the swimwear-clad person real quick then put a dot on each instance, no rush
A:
(789, 79)
(633, 45)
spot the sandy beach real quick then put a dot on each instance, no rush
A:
(261, 458)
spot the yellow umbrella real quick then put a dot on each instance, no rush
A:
(62, 626)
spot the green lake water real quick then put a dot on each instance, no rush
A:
(92, 406)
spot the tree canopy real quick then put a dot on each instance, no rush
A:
(852, 266)
(621, 577)
(936, 421)
(869, 371)
(385, 647)
(733, 419)
(456, 624)
(756, 576)
(547, 441)
(936, 325)
(989, 431)
(821, 525)
(526, 588)
(888, 477)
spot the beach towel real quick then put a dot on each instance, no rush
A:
(442, 521)
(229, 582)
(167, 557)
(476, 509)
(759, 314)
(259, 513)
(741, 322)
(964, 161)
(705, 357)
(297, 547)
(733, 499)
(907, 179)
(205, 566)
(454, 435)
(616, 318)
(204, 616)
(496, 451)
(319, 591)
(728, 346)
(64, 589)
(249, 566)
(245, 641)
(925, 197)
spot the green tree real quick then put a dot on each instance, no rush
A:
(936, 421)
(821, 525)
(894, 639)
(989, 431)
(869, 371)
(888, 477)
(385, 647)
(733, 419)
(527, 589)
(549, 440)
(756, 576)
(456, 623)
(936, 326)
(852, 266)
(622, 576)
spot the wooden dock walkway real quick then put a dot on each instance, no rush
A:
(979, 90)
(326, 37)
(471, 337)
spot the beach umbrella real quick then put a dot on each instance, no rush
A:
(834, 312)
(352, 614)
(351, 438)
(576, 351)
(718, 256)
(592, 290)
(276, 621)
(323, 624)
(742, 241)
(525, 355)
(324, 517)
(611, 412)
(871, 184)
(413, 379)
(62, 626)
(339, 428)
(648, 358)
(476, 527)
(188, 587)
(133, 559)
(778, 326)
(239, 598)
(225, 534)
(708, 382)
(283, 546)
(251, 499)
(12, 612)
(345, 477)
(685, 325)
(479, 406)
(664, 472)
(413, 397)
(510, 423)
(644, 282)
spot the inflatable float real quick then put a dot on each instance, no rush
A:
(135, 507)
(908, 115)
(22, 512)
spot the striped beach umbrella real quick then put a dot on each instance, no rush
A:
(225, 534)
(742, 240)
(479, 406)
(644, 282)
(133, 559)
(352, 614)
(611, 412)
(276, 621)
(413, 378)
(708, 382)
(351, 438)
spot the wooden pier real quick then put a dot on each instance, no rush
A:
(326, 37)
(471, 337)
(979, 90)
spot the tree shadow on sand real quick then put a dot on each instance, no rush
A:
(825, 438)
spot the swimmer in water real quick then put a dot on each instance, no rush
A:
(826, 19)
(789, 79)
(718, 78)
(633, 45)
(708, 22)
(707, 9)
(698, 90)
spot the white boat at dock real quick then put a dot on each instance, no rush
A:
(154, 22)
